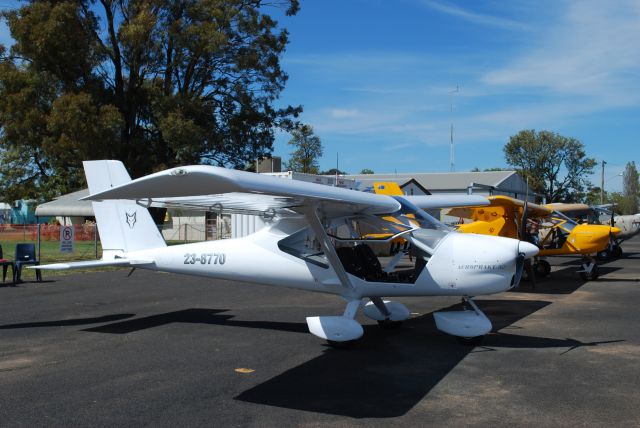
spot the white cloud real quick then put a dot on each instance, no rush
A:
(341, 113)
(474, 17)
(592, 51)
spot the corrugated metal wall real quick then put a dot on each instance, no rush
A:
(244, 224)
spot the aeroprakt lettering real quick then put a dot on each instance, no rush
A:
(481, 267)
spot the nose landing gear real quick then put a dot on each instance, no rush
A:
(469, 325)
(589, 271)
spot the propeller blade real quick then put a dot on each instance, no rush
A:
(525, 250)
(519, 269)
(612, 222)
(522, 230)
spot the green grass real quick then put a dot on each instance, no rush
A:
(50, 253)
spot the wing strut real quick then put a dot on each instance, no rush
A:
(310, 211)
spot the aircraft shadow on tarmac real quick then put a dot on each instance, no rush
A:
(384, 375)
(68, 322)
(388, 372)
(197, 316)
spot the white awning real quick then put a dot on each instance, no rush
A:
(67, 206)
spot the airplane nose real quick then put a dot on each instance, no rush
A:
(615, 230)
(528, 249)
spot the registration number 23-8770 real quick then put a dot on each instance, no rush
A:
(205, 258)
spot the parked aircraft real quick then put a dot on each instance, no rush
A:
(552, 231)
(629, 225)
(312, 241)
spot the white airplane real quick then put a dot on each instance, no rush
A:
(316, 239)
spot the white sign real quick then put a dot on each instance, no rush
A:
(66, 239)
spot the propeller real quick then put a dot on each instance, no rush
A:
(612, 222)
(521, 261)
(522, 230)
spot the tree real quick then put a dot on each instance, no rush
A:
(592, 196)
(367, 171)
(619, 202)
(555, 166)
(308, 150)
(630, 188)
(154, 83)
(333, 171)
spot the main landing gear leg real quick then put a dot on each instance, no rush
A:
(339, 331)
(589, 270)
(388, 313)
(387, 322)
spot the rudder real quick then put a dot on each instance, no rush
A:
(124, 226)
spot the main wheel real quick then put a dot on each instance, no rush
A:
(542, 268)
(617, 251)
(389, 324)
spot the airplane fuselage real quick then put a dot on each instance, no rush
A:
(460, 265)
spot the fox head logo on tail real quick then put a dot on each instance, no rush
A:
(131, 219)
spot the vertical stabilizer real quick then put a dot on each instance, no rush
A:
(124, 226)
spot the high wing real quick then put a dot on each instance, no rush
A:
(499, 206)
(427, 202)
(571, 210)
(220, 189)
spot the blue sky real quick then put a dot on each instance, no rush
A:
(376, 79)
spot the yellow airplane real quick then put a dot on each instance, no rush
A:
(629, 225)
(553, 232)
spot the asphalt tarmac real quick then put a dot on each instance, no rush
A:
(104, 349)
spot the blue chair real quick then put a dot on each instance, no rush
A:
(5, 265)
(26, 255)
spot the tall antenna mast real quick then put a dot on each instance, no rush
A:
(452, 160)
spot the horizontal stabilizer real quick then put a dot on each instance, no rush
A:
(93, 264)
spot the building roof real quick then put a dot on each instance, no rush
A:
(67, 205)
(440, 180)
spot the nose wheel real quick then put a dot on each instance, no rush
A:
(589, 271)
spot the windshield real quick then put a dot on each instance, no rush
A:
(409, 212)
(367, 228)
(559, 219)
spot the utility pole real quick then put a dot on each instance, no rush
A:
(602, 184)
(452, 162)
